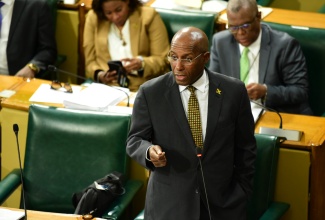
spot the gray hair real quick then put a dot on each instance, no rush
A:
(236, 5)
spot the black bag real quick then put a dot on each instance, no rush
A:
(96, 198)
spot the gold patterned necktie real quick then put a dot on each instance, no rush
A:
(194, 118)
(244, 65)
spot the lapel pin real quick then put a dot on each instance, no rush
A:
(218, 91)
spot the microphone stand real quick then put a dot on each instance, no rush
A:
(199, 155)
(16, 129)
(292, 135)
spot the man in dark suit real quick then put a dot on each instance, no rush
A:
(27, 43)
(277, 72)
(160, 138)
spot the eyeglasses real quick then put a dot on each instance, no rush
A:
(57, 85)
(187, 61)
(234, 29)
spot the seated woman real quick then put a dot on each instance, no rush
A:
(127, 31)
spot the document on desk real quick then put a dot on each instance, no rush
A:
(45, 94)
(257, 111)
(6, 214)
(96, 97)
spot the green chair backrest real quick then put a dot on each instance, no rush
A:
(265, 173)
(264, 2)
(174, 20)
(312, 41)
(66, 150)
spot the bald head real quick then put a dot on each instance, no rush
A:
(236, 5)
(192, 38)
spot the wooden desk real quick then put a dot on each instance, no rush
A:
(14, 110)
(312, 143)
(36, 215)
(290, 17)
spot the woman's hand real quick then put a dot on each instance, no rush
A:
(132, 64)
(107, 77)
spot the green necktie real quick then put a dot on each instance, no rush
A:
(194, 118)
(244, 65)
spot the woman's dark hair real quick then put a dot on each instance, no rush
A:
(97, 6)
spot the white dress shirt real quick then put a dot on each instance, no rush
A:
(6, 11)
(254, 57)
(202, 94)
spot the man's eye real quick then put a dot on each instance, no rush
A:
(174, 57)
(189, 60)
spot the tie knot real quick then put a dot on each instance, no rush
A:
(191, 89)
(245, 51)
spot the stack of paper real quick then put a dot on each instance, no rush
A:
(96, 97)
(257, 110)
(6, 214)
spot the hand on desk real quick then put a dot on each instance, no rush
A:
(26, 72)
(256, 91)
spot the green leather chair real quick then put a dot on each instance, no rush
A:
(322, 9)
(66, 150)
(312, 43)
(174, 20)
(262, 205)
(264, 3)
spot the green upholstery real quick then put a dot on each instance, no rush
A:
(174, 20)
(312, 42)
(264, 3)
(322, 9)
(66, 150)
(262, 206)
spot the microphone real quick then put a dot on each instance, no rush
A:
(199, 155)
(55, 69)
(292, 135)
(16, 129)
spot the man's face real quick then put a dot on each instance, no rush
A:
(244, 25)
(186, 62)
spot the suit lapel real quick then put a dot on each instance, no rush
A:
(135, 24)
(235, 53)
(214, 107)
(102, 33)
(265, 51)
(18, 9)
(173, 97)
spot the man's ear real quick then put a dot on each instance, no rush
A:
(206, 56)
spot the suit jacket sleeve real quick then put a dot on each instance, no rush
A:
(292, 85)
(140, 132)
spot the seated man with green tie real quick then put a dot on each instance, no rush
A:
(271, 63)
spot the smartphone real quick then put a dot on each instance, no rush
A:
(122, 79)
(115, 65)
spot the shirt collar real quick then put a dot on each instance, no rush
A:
(200, 84)
(254, 48)
(8, 2)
